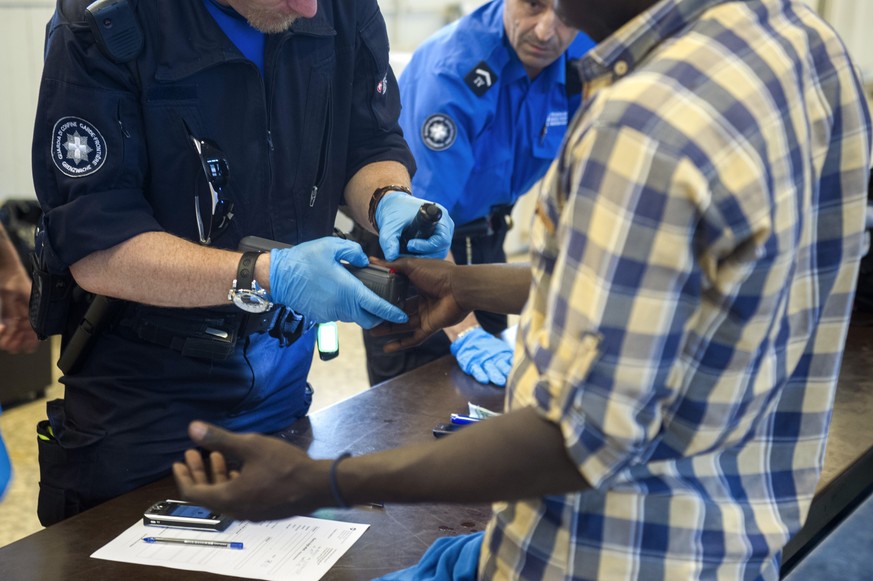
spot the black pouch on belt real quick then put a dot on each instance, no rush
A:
(195, 333)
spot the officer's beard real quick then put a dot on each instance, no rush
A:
(268, 22)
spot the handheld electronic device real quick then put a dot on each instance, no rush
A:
(390, 285)
(327, 339)
(184, 515)
(115, 28)
(423, 225)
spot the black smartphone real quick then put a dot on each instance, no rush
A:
(184, 515)
(441, 430)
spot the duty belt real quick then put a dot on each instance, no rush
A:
(499, 219)
(208, 333)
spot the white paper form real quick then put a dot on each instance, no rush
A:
(300, 548)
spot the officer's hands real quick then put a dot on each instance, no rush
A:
(16, 334)
(435, 308)
(309, 279)
(277, 480)
(395, 211)
(480, 354)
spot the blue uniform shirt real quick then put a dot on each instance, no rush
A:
(477, 146)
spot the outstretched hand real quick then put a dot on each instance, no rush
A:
(277, 479)
(435, 307)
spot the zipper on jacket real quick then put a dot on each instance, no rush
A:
(121, 126)
(325, 149)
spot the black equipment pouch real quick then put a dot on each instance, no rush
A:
(100, 314)
(116, 29)
(50, 299)
(196, 333)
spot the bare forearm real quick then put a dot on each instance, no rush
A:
(499, 288)
(471, 465)
(370, 177)
(159, 269)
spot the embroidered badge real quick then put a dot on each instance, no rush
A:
(481, 78)
(439, 132)
(557, 119)
(78, 149)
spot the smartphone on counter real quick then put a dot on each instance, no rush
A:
(441, 430)
(184, 515)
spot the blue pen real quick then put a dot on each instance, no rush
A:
(195, 542)
(461, 419)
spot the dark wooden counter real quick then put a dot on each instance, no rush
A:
(403, 411)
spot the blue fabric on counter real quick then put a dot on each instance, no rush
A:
(449, 558)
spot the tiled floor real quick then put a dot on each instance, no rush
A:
(333, 381)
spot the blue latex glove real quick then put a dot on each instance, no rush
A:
(484, 356)
(395, 211)
(309, 279)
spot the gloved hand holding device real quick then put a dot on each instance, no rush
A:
(486, 357)
(396, 211)
(309, 279)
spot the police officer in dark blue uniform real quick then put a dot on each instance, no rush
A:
(486, 102)
(166, 131)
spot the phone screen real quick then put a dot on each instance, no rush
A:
(190, 510)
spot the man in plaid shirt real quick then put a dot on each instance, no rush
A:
(693, 260)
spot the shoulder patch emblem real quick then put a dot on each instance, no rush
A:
(481, 78)
(439, 132)
(78, 149)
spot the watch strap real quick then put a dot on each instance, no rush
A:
(245, 271)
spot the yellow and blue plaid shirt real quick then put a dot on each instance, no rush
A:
(694, 254)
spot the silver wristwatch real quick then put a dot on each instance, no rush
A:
(246, 293)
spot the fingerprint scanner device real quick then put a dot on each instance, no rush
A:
(388, 284)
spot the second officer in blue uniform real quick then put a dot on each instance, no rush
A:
(486, 102)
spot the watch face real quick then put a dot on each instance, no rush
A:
(251, 301)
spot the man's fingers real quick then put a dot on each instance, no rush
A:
(412, 340)
(183, 476)
(196, 467)
(218, 467)
(214, 438)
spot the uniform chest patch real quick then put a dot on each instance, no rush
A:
(78, 149)
(481, 78)
(439, 132)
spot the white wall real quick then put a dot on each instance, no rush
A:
(411, 21)
(22, 33)
(22, 30)
(853, 20)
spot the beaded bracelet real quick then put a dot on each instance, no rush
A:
(334, 487)
(377, 197)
